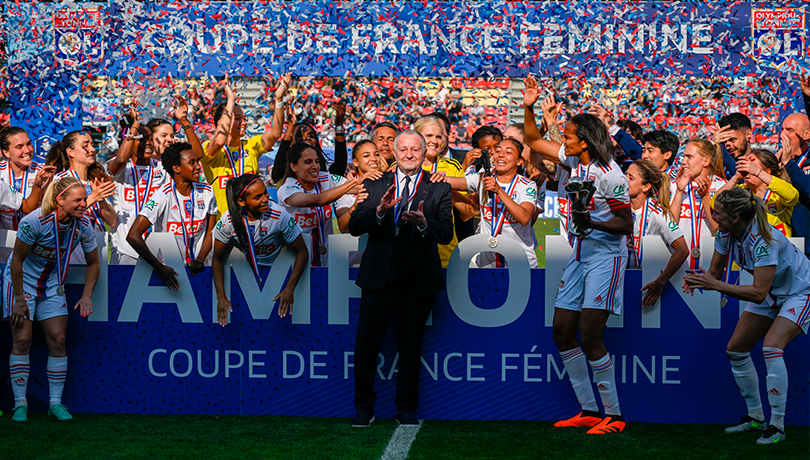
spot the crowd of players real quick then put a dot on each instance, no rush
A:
(208, 194)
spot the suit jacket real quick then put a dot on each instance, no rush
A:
(409, 256)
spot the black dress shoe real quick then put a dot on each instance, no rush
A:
(406, 417)
(363, 419)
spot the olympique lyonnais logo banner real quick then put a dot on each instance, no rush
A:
(778, 35)
(77, 36)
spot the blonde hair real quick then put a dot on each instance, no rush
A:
(659, 181)
(422, 123)
(55, 190)
(740, 202)
(712, 151)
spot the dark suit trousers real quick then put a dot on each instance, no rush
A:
(410, 309)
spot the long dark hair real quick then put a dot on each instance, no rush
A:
(236, 189)
(57, 156)
(294, 154)
(591, 130)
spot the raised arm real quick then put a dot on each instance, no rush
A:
(131, 140)
(628, 144)
(181, 115)
(270, 136)
(304, 200)
(341, 152)
(44, 177)
(223, 129)
(548, 149)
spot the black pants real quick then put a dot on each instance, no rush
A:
(410, 310)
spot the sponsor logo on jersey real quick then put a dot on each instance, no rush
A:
(45, 252)
(263, 231)
(222, 181)
(220, 225)
(291, 224)
(265, 249)
(774, 391)
(673, 226)
(531, 192)
(310, 220)
(151, 205)
(176, 228)
(335, 177)
(598, 299)
(129, 193)
(25, 227)
(762, 251)
(792, 311)
(487, 213)
(620, 190)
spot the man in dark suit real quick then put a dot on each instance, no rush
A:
(405, 216)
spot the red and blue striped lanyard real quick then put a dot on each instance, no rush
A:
(232, 160)
(320, 211)
(62, 265)
(638, 240)
(250, 249)
(695, 218)
(140, 200)
(498, 214)
(188, 237)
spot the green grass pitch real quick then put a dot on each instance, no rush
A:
(213, 437)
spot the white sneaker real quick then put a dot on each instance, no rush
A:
(771, 436)
(747, 424)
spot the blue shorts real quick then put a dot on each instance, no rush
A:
(40, 308)
(597, 284)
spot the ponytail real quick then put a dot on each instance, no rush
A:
(235, 190)
(659, 183)
(740, 202)
(712, 151)
(56, 189)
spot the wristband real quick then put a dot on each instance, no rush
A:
(187, 126)
(340, 130)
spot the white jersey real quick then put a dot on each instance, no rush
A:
(20, 187)
(521, 190)
(792, 267)
(40, 274)
(650, 220)
(130, 198)
(273, 231)
(307, 217)
(93, 212)
(169, 211)
(610, 195)
(694, 237)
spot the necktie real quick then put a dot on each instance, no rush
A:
(406, 192)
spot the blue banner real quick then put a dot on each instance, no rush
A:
(488, 351)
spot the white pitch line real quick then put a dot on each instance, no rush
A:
(400, 443)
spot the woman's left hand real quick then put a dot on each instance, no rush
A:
(85, 306)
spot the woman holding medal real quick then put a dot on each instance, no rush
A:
(508, 203)
(75, 156)
(260, 229)
(307, 194)
(184, 207)
(592, 284)
(24, 178)
(699, 179)
(648, 187)
(762, 176)
(781, 278)
(34, 287)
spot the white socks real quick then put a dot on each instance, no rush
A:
(745, 374)
(777, 381)
(19, 368)
(57, 373)
(605, 376)
(577, 369)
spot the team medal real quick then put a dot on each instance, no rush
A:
(498, 218)
(696, 253)
(62, 266)
(695, 218)
(723, 301)
(396, 231)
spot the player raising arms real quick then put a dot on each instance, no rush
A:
(648, 187)
(782, 278)
(260, 229)
(185, 207)
(592, 284)
(34, 287)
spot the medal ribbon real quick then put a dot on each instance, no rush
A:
(140, 200)
(803, 159)
(695, 218)
(188, 239)
(320, 211)
(62, 266)
(241, 159)
(12, 182)
(400, 206)
(638, 241)
(95, 208)
(767, 196)
(251, 250)
(498, 218)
